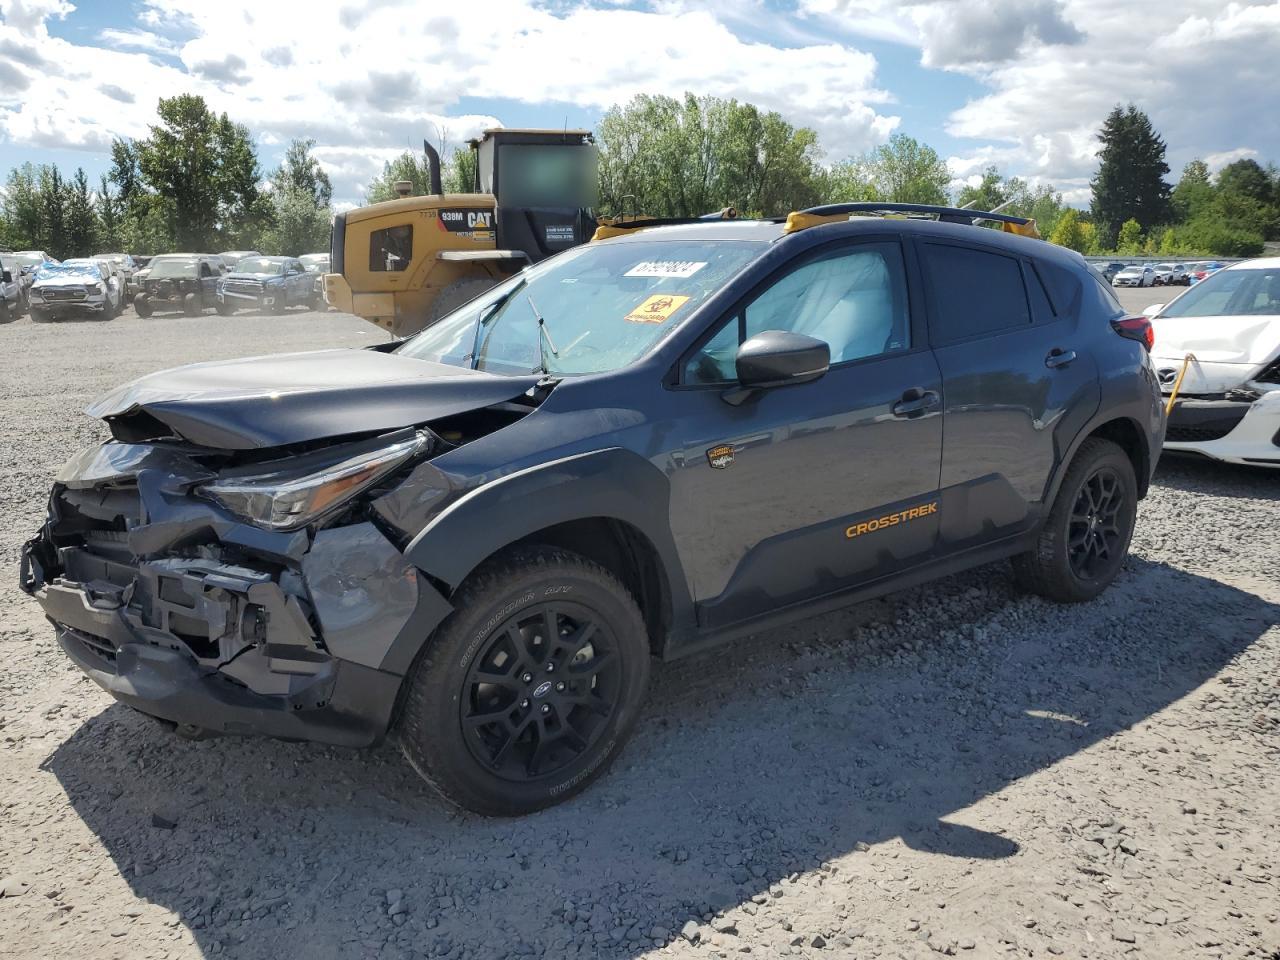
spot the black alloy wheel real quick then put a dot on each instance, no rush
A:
(542, 692)
(524, 695)
(1083, 541)
(1094, 534)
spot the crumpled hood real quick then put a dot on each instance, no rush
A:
(1228, 350)
(295, 397)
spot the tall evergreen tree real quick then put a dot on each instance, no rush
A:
(1129, 184)
(81, 227)
(53, 212)
(110, 214)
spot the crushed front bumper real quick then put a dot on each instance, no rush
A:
(1233, 431)
(69, 308)
(184, 612)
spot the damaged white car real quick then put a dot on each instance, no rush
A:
(82, 287)
(1217, 353)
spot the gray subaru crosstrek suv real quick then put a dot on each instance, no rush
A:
(475, 539)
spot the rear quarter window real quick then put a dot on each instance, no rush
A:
(974, 293)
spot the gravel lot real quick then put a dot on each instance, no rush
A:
(954, 769)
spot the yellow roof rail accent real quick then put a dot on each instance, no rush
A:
(797, 221)
(1028, 229)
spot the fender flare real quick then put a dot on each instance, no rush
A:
(611, 484)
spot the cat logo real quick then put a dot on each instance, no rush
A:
(720, 457)
(480, 220)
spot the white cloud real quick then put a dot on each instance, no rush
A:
(1216, 161)
(367, 80)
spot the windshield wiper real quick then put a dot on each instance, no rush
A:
(487, 315)
(544, 338)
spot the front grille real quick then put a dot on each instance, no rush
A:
(63, 293)
(1197, 434)
(251, 287)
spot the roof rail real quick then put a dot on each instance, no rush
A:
(613, 227)
(838, 212)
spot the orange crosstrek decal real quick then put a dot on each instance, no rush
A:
(891, 520)
(657, 309)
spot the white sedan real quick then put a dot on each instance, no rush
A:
(1135, 275)
(1218, 345)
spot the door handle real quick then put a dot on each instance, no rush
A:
(1059, 358)
(915, 402)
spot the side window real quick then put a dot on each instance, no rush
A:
(854, 299)
(205, 271)
(1041, 309)
(975, 293)
(390, 250)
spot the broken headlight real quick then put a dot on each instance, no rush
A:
(286, 499)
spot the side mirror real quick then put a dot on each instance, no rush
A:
(1152, 310)
(777, 358)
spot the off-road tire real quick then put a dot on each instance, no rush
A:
(191, 305)
(226, 308)
(430, 728)
(39, 315)
(456, 294)
(142, 305)
(1047, 569)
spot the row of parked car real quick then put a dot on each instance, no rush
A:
(102, 285)
(1156, 274)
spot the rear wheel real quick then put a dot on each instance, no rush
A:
(1086, 537)
(528, 691)
(142, 305)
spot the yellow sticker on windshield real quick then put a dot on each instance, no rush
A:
(656, 309)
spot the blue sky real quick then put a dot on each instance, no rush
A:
(1020, 83)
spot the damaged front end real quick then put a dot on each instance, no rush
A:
(194, 596)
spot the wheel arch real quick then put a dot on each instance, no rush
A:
(611, 506)
(1127, 434)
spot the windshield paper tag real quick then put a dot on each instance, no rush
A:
(678, 269)
(656, 309)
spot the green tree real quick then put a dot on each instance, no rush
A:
(1129, 184)
(53, 212)
(459, 174)
(1129, 241)
(110, 213)
(206, 167)
(1250, 198)
(986, 195)
(1042, 204)
(81, 220)
(1069, 232)
(22, 208)
(298, 225)
(906, 171)
(301, 171)
(666, 157)
(1194, 191)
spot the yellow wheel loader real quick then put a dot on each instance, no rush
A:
(405, 263)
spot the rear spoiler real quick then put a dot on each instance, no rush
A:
(840, 212)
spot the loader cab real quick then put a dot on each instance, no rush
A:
(545, 185)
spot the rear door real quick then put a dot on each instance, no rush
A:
(1017, 382)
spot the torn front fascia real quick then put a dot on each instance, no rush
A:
(130, 556)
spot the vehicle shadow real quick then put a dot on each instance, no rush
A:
(750, 763)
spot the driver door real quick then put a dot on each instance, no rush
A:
(811, 489)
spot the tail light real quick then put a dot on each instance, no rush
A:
(1136, 328)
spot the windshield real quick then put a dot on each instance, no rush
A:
(29, 259)
(603, 305)
(172, 268)
(316, 266)
(1231, 293)
(260, 265)
(50, 270)
(1132, 270)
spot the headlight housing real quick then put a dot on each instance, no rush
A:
(288, 498)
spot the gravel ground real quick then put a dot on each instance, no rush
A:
(954, 769)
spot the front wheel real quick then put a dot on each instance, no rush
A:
(191, 305)
(528, 691)
(142, 305)
(226, 308)
(1086, 537)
